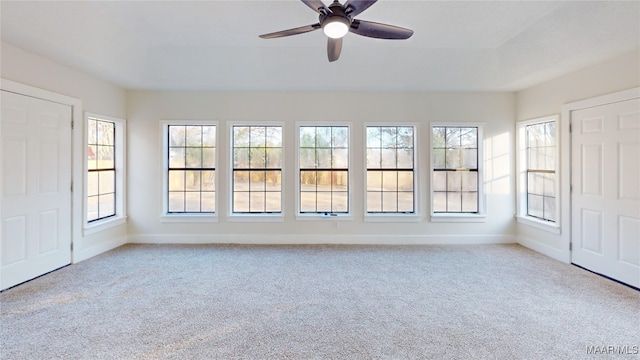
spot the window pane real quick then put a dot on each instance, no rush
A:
(258, 137)
(374, 181)
(92, 157)
(176, 180)
(340, 201)
(241, 136)
(373, 137)
(469, 202)
(241, 181)
(194, 157)
(439, 202)
(257, 181)
(454, 181)
(550, 208)
(323, 137)
(405, 158)
(453, 158)
(340, 137)
(535, 205)
(208, 158)
(405, 201)
(92, 132)
(438, 137)
(92, 183)
(469, 137)
(323, 201)
(105, 157)
(107, 181)
(176, 158)
(373, 158)
(307, 158)
(241, 158)
(405, 138)
(209, 136)
(439, 159)
(439, 181)
(405, 180)
(194, 136)
(192, 202)
(273, 180)
(308, 180)
(374, 201)
(208, 180)
(193, 180)
(390, 201)
(470, 159)
(452, 137)
(389, 158)
(340, 158)
(241, 202)
(92, 208)
(176, 201)
(307, 201)
(105, 134)
(469, 181)
(177, 136)
(389, 137)
(307, 136)
(549, 185)
(257, 202)
(106, 206)
(324, 158)
(390, 180)
(454, 202)
(273, 202)
(274, 136)
(258, 158)
(208, 201)
(274, 158)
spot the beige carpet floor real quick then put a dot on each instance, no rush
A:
(319, 302)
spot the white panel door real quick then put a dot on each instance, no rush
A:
(36, 187)
(605, 201)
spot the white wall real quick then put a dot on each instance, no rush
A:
(96, 96)
(617, 74)
(147, 108)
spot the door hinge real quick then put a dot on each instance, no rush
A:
(570, 128)
(72, 186)
(570, 246)
(72, 124)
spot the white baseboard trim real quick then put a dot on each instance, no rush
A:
(292, 239)
(84, 254)
(544, 249)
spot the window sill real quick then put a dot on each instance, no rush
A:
(392, 218)
(102, 225)
(458, 218)
(538, 224)
(321, 217)
(256, 217)
(189, 218)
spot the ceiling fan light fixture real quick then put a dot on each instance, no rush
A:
(336, 27)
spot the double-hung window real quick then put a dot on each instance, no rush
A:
(456, 179)
(189, 168)
(257, 169)
(104, 186)
(323, 170)
(537, 143)
(390, 170)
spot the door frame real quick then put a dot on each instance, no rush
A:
(565, 158)
(76, 156)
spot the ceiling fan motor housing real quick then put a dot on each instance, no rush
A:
(336, 16)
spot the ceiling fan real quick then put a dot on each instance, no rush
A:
(337, 19)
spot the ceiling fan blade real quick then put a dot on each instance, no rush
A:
(355, 7)
(294, 31)
(317, 6)
(379, 31)
(334, 46)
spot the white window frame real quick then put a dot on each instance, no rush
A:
(521, 184)
(120, 142)
(166, 216)
(325, 216)
(395, 217)
(255, 217)
(480, 216)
